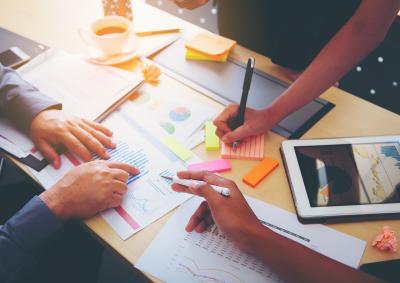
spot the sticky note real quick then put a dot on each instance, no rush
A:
(259, 172)
(212, 140)
(176, 147)
(251, 149)
(214, 166)
(194, 55)
(210, 44)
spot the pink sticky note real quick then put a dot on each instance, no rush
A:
(215, 166)
(251, 149)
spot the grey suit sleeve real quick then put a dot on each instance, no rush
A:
(19, 101)
(24, 238)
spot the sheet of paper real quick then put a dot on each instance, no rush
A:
(74, 81)
(251, 149)
(149, 196)
(178, 256)
(166, 112)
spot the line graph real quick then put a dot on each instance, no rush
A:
(194, 272)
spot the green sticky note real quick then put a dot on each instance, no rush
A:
(212, 140)
(176, 147)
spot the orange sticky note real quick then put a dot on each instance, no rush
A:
(251, 149)
(260, 171)
(210, 44)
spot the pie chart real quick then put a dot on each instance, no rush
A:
(179, 114)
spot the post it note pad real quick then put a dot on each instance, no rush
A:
(214, 166)
(251, 149)
(210, 44)
(176, 147)
(212, 140)
(194, 55)
(259, 172)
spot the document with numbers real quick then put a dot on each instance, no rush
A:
(178, 256)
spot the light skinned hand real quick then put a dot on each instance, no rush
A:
(232, 214)
(79, 136)
(88, 189)
(190, 4)
(255, 122)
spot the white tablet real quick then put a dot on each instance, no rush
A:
(344, 178)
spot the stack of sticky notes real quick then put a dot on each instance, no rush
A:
(259, 172)
(251, 149)
(211, 139)
(209, 47)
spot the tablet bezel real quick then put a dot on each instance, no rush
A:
(304, 209)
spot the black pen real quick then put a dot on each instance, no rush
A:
(239, 119)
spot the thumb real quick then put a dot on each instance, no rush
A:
(236, 135)
(49, 153)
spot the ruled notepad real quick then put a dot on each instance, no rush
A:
(251, 149)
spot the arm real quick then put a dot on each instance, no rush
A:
(84, 191)
(236, 220)
(355, 40)
(19, 101)
(40, 115)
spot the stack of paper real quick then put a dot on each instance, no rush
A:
(178, 256)
(209, 47)
(86, 90)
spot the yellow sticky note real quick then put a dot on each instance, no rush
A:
(194, 55)
(212, 140)
(179, 149)
(210, 44)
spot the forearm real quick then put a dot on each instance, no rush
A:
(304, 264)
(356, 39)
(24, 238)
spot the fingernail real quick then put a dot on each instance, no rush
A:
(197, 185)
(55, 164)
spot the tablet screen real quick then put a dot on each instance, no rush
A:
(350, 174)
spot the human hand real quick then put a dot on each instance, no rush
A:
(189, 4)
(88, 189)
(232, 214)
(79, 136)
(255, 122)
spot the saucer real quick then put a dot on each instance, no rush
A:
(97, 56)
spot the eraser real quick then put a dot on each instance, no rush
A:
(212, 140)
(214, 166)
(259, 172)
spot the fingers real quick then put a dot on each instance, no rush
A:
(75, 146)
(205, 176)
(236, 135)
(197, 216)
(119, 187)
(105, 140)
(230, 112)
(115, 201)
(98, 127)
(120, 175)
(123, 166)
(91, 143)
(49, 152)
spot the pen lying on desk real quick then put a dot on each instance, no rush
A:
(191, 183)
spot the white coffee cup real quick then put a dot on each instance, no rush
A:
(110, 34)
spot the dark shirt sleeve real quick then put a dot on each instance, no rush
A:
(24, 238)
(20, 101)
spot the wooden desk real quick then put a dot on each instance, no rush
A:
(54, 23)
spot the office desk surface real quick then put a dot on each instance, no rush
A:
(55, 23)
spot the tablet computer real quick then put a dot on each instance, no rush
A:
(344, 178)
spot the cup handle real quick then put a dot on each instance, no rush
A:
(85, 35)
